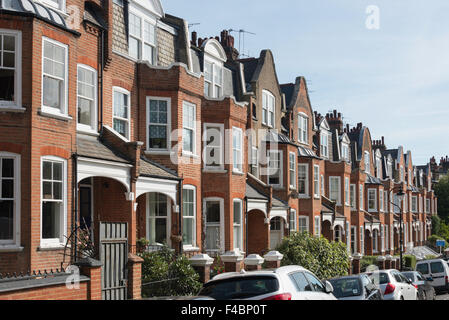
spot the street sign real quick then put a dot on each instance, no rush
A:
(441, 243)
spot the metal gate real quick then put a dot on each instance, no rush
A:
(114, 257)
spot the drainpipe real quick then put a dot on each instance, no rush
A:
(75, 203)
(246, 226)
(180, 215)
(101, 45)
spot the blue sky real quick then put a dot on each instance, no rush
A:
(395, 80)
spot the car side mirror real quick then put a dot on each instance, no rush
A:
(329, 287)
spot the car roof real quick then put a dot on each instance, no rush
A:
(430, 260)
(347, 277)
(244, 273)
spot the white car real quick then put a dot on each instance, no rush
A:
(284, 283)
(437, 270)
(394, 285)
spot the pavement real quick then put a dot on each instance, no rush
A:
(444, 296)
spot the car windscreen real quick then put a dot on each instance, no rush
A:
(346, 287)
(379, 277)
(240, 287)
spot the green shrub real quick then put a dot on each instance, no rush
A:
(367, 261)
(429, 257)
(325, 259)
(166, 274)
(433, 240)
(409, 262)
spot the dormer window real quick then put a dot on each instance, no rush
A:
(268, 107)
(367, 163)
(55, 4)
(390, 169)
(378, 167)
(303, 128)
(142, 38)
(345, 151)
(213, 80)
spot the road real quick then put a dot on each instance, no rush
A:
(444, 296)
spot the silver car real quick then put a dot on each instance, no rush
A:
(284, 283)
(394, 285)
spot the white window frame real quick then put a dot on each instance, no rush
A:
(254, 165)
(347, 192)
(238, 225)
(353, 196)
(237, 163)
(193, 129)
(361, 196)
(348, 237)
(293, 224)
(372, 197)
(324, 143)
(381, 200)
(427, 205)
(215, 87)
(345, 151)
(353, 240)
(414, 204)
(220, 225)
(280, 171)
(304, 167)
(60, 6)
(17, 103)
(149, 123)
(322, 185)
(317, 229)
(305, 221)
(303, 128)
(316, 181)
(375, 239)
(269, 109)
(15, 241)
(168, 218)
(56, 242)
(219, 127)
(94, 120)
(194, 245)
(128, 120)
(367, 162)
(331, 191)
(292, 169)
(385, 201)
(64, 108)
(141, 40)
(362, 240)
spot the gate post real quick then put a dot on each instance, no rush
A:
(356, 263)
(381, 262)
(134, 276)
(273, 259)
(232, 260)
(253, 262)
(201, 263)
(92, 269)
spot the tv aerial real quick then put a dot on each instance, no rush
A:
(241, 39)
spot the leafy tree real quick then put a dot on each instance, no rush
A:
(436, 223)
(442, 192)
(166, 274)
(325, 259)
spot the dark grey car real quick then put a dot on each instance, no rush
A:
(425, 289)
(356, 287)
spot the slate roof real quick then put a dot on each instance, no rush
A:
(288, 89)
(252, 193)
(153, 169)
(94, 15)
(307, 152)
(250, 66)
(278, 203)
(372, 180)
(92, 147)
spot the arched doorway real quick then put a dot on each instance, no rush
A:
(338, 233)
(368, 242)
(277, 226)
(327, 230)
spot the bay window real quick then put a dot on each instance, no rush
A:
(53, 200)
(87, 98)
(213, 146)
(121, 112)
(238, 225)
(158, 115)
(303, 224)
(54, 77)
(303, 181)
(292, 169)
(158, 224)
(189, 216)
(237, 145)
(10, 68)
(335, 189)
(275, 168)
(213, 212)
(372, 200)
(316, 181)
(189, 127)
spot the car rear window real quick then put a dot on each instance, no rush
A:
(423, 268)
(240, 287)
(409, 275)
(382, 277)
(436, 267)
(348, 287)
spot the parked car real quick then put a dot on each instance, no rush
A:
(179, 298)
(284, 283)
(357, 287)
(425, 288)
(394, 285)
(438, 270)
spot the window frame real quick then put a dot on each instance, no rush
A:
(305, 166)
(15, 241)
(292, 169)
(338, 180)
(303, 133)
(353, 240)
(94, 121)
(17, 102)
(193, 129)
(54, 242)
(237, 167)
(51, 3)
(305, 227)
(213, 84)
(238, 225)
(367, 162)
(194, 237)
(316, 181)
(125, 92)
(141, 40)
(220, 225)
(370, 198)
(353, 197)
(271, 120)
(220, 128)
(317, 227)
(324, 146)
(64, 100)
(149, 123)
(361, 196)
(347, 192)
(168, 218)
(280, 169)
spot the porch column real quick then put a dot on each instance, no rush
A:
(356, 263)
(273, 259)
(132, 221)
(253, 262)
(232, 260)
(201, 263)
(381, 262)
(134, 276)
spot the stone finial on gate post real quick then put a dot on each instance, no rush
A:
(232, 260)
(201, 263)
(253, 262)
(273, 259)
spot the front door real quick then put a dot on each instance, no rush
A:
(114, 258)
(276, 232)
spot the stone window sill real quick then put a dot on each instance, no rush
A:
(12, 109)
(61, 116)
(10, 248)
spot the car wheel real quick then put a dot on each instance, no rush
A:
(423, 296)
(402, 298)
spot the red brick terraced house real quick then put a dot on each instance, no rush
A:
(114, 120)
